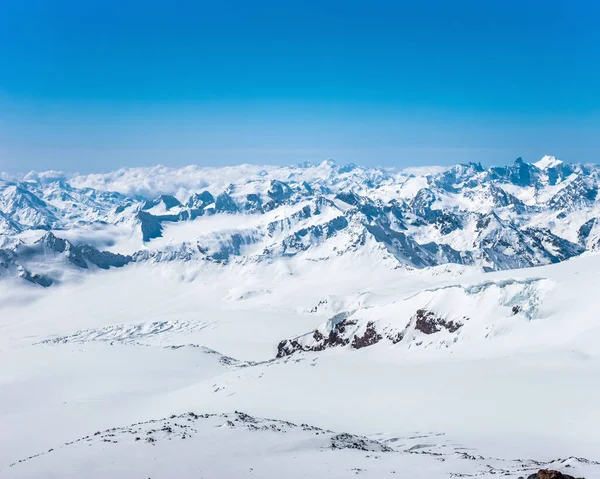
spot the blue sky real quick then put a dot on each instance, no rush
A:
(93, 86)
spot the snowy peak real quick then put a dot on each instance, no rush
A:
(547, 162)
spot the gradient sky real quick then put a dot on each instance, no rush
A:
(97, 85)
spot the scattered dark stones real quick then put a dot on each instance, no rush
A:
(316, 308)
(174, 427)
(395, 338)
(516, 309)
(350, 441)
(242, 416)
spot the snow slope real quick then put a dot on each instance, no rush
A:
(373, 353)
(103, 354)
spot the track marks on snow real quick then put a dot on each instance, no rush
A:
(160, 333)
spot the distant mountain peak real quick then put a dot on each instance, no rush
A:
(547, 162)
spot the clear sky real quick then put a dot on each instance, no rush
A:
(96, 85)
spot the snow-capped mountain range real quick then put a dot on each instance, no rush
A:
(502, 217)
(432, 322)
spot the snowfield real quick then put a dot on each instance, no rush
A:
(316, 321)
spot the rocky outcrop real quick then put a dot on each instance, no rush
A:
(550, 474)
(25, 258)
(370, 337)
(35, 278)
(317, 341)
(150, 226)
(279, 191)
(168, 201)
(78, 255)
(427, 323)
(348, 329)
(200, 200)
(225, 204)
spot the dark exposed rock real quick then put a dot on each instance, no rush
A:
(580, 193)
(526, 246)
(340, 333)
(225, 204)
(168, 200)
(336, 337)
(350, 198)
(279, 191)
(550, 474)
(78, 255)
(520, 173)
(350, 441)
(422, 203)
(370, 337)
(558, 249)
(447, 223)
(284, 224)
(585, 230)
(253, 203)
(8, 258)
(231, 247)
(288, 347)
(102, 259)
(36, 278)
(503, 199)
(320, 303)
(200, 200)
(302, 239)
(150, 225)
(516, 309)
(336, 334)
(395, 338)
(428, 323)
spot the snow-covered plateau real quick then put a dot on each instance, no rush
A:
(307, 321)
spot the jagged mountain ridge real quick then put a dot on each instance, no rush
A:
(502, 217)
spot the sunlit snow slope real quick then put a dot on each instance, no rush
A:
(389, 324)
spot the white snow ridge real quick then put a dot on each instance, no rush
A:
(428, 323)
(547, 162)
